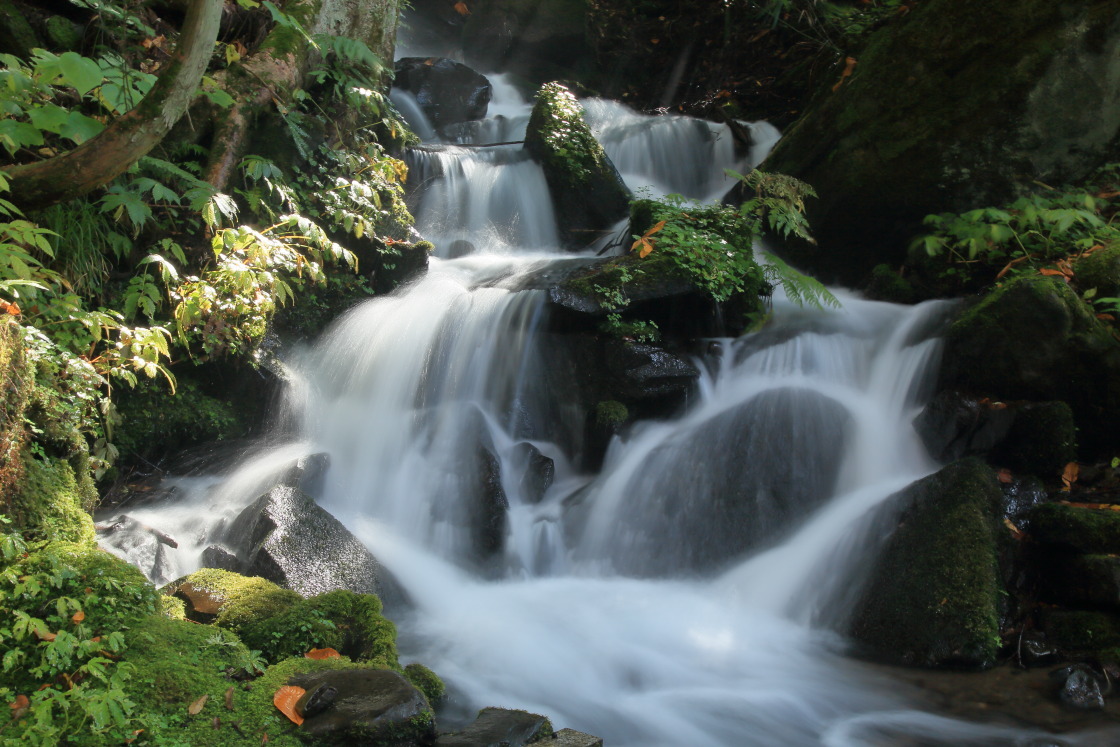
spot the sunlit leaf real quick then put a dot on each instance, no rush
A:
(285, 700)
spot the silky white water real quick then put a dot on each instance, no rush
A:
(621, 603)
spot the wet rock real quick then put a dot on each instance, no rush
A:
(500, 727)
(539, 472)
(216, 556)
(587, 192)
(308, 472)
(1034, 649)
(648, 371)
(923, 126)
(316, 700)
(1082, 581)
(573, 738)
(493, 506)
(1035, 339)
(933, 596)
(446, 90)
(287, 538)
(1033, 437)
(1075, 529)
(143, 546)
(1080, 631)
(372, 706)
(538, 39)
(1079, 687)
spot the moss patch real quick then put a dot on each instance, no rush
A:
(240, 600)
(1076, 529)
(426, 681)
(49, 502)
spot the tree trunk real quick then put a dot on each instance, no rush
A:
(108, 155)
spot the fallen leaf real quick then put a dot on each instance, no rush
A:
(48, 636)
(1004, 476)
(229, 699)
(20, 706)
(1069, 476)
(197, 706)
(462, 9)
(216, 723)
(322, 653)
(285, 700)
(849, 65)
(78, 616)
(1016, 532)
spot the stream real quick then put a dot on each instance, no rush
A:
(610, 606)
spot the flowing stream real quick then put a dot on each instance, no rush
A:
(622, 603)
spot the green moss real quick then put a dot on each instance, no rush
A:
(1078, 630)
(887, 285)
(558, 135)
(243, 599)
(611, 413)
(1042, 440)
(348, 622)
(172, 608)
(1100, 270)
(48, 504)
(426, 681)
(1082, 530)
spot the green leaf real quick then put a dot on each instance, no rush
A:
(15, 135)
(80, 72)
(49, 117)
(80, 128)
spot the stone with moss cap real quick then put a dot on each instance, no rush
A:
(1099, 271)
(587, 193)
(933, 598)
(501, 726)
(229, 598)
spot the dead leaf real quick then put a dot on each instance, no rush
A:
(216, 723)
(48, 636)
(78, 616)
(1004, 476)
(322, 653)
(1069, 476)
(849, 66)
(229, 699)
(1016, 532)
(197, 706)
(462, 9)
(20, 706)
(285, 700)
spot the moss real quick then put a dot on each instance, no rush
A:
(49, 503)
(14, 396)
(426, 681)
(611, 413)
(888, 285)
(242, 599)
(172, 607)
(1041, 441)
(935, 593)
(1079, 630)
(1100, 270)
(348, 622)
(1082, 530)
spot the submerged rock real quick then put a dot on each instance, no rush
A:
(933, 597)
(500, 727)
(286, 537)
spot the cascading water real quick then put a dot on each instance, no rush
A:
(680, 596)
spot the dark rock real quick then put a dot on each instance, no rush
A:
(924, 126)
(587, 192)
(307, 473)
(1032, 437)
(1082, 581)
(372, 707)
(1020, 496)
(493, 506)
(1035, 339)
(1035, 650)
(285, 537)
(216, 556)
(647, 371)
(1079, 686)
(538, 39)
(539, 472)
(729, 483)
(933, 598)
(315, 701)
(500, 727)
(1080, 631)
(1076, 529)
(446, 90)
(573, 738)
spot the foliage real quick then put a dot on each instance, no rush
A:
(564, 138)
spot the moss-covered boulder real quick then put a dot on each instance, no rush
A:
(941, 114)
(1075, 529)
(230, 598)
(1080, 631)
(50, 504)
(426, 681)
(933, 598)
(1100, 271)
(376, 707)
(587, 193)
(1033, 338)
(1083, 581)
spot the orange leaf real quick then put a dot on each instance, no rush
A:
(197, 706)
(286, 698)
(849, 65)
(462, 9)
(647, 247)
(1016, 532)
(78, 617)
(229, 699)
(13, 309)
(46, 636)
(21, 701)
(654, 229)
(323, 653)
(1051, 272)
(1004, 476)
(1069, 476)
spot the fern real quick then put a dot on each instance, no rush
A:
(798, 287)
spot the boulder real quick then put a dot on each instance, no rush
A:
(500, 727)
(490, 520)
(933, 596)
(1075, 529)
(286, 537)
(143, 546)
(573, 738)
(1028, 437)
(940, 114)
(538, 475)
(369, 707)
(447, 91)
(1033, 338)
(587, 192)
(1084, 581)
(1099, 271)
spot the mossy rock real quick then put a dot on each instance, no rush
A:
(350, 623)
(501, 726)
(1086, 581)
(1042, 440)
(1099, 271)
(887, 285)
(49, 505)
(1033, 338)
(427, 681)
(1075, 529)
(1080, 630)
(587, 192)
(230, 599)
(18, 381)
(933, 599)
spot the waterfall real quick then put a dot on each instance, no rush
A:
(684, 595)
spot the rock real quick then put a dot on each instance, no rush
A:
(587, 192)
(539, 472)
(1080, 631)
(372, 707)
(228, 598)
(648, 371)
(316, 700)
(538, 39)
(500, 727)
(1079, 687)
(933, 596)
(1035, 339)
(286, 537)
(1075, 529)
(923, 125)
(1034, 649)
(216, 556)
(446, 90)
(1030, 437)
(142, 545)
(731, 482)
(490, 525)
(1082, 581)
(1100, 271)
(573, 738)
(308, 472)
